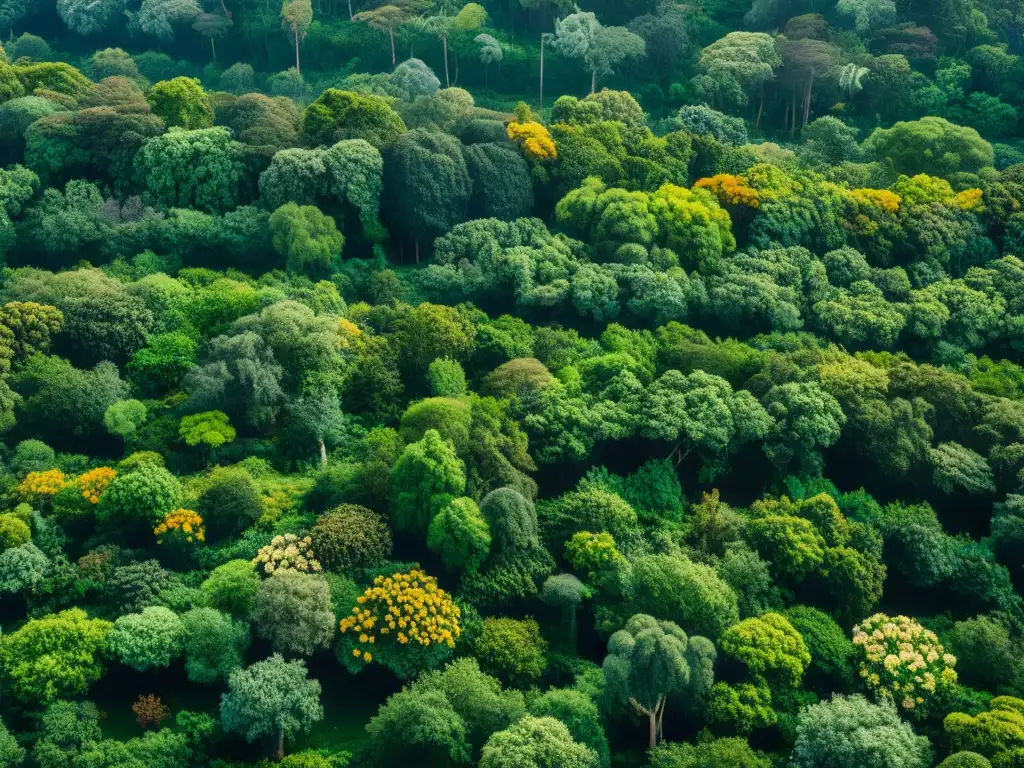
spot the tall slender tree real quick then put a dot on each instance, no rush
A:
(296, 16)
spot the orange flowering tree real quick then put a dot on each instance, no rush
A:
(182, 525)
(404, 621)
(42, 486)
(93, 483)
(730, 190)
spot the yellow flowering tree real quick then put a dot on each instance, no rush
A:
(182, 525)
(93, 483)
(902, 661)
(730, 190)
(40, 487)
(534, 139)
(404, 621)
(287, 552)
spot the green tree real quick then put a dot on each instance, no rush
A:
(738, 64)
(124, 418)
(212, 429)
(231, 587)
(307, 238)
(293, 611)
(536, 742)
(513, 650)
(708, 751)
(419, 727)
(930, 145)
(770, 647)
(23, 568)
(213, 644)
(140, 497)
(600, 49)
(152, 638)
(337, 115)
(580, 715)
(459, 535)
(160, 17)
(853, 731)
(807, 420)
(296, 17)
(182, 103)
(649, 660)
(425, 471)
(11, 753)
(55, 656)
(350, 537)
(272, 698)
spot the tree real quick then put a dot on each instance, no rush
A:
(212, 26)
(337, 115)
(231, 587)
(828, 141)
(580, 715)
(124, 417)
(807, 420)
(11, 753)
(419, 727)
(853, 731)
(34, 325)
(536, 742)
(293, 611)
(22, 568)
(868, 15)
(201, 169)
(54, 657)
(271, 698)
(502, 187)
(386, 18)
(212, 429)
(459, 535)
(426, 183)
(511, 650)
(600, 49)
(152, 638)
(440, 25)
(308, 239)
(490, 52)
(296, 16)
(676, 589)
(141, 496)
(740, 63)
(770, 648)
(213, 644)
(160, 17)
(708, 751)
(956, 466)
(930, 145)
(425, 471)
(993, 733)
(350, 537)
(649, 660)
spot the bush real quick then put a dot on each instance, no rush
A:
(512, 650)
(232, 586)
(144, 495)
(349, 537)
(230, 503)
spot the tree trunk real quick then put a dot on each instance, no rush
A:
(417, 250)
(213, 47)
(297, 70)
(661, 718)
(807, 99)
(444, 42)
(652, 735)
(542, 74)
(391, 34)
(279, 751)
(350, 10)
(792, 124)
(760, 108)
(323, 453)
(593, 81)
(456, 68)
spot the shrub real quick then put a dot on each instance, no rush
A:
(350, 536)
(512, 650)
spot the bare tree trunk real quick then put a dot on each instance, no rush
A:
(417, 250)
(760, 108)
(323, 453)
(593, 81)
(444, 42)
(542, 73)
(213, 47)
(279, 751)
(297, 70)
(456, 68)
(652, 736)
(792, 125)
(391, 34)
(661, 718)
(350, 10)
(807, 98)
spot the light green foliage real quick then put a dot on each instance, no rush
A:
(512, 520)
(211, 429)
(55, 656)
(232, 586)
(511, 649)
(536, 742)
(124, 417)
(807, 420)
(770, 647)
(708, 751)
(201, 169)
(599, 49)
(11, 753)
(853, 731)
(740, 63)
(741, 708)
(271, 698)
(580, 715)
(308, 239)
(182, 103)
(13, 532)
(446, 378)
(293, 611)
(213, 644)
(425, 470)
(989, 733)
(338, 115)
(674, 588)
(143, 495)
(149, 639)
(459, 535)
(958, 467)
(931, 145)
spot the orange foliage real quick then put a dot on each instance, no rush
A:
(534, 139)
(40, 485)
(730, 190)
(95, 482)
